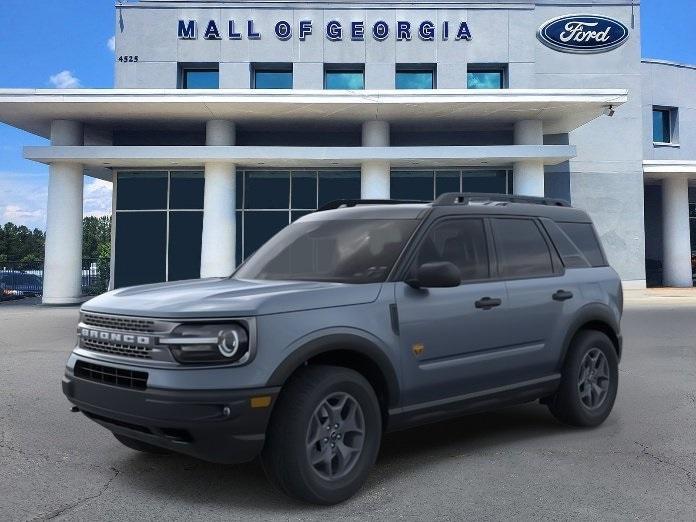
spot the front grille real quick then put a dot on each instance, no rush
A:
(128, 324)
(124, 350)
(110, 375)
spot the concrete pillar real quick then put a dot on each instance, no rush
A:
(62, 283)
(528, 176)
(219, 204)
(676, 240)
(374, 177)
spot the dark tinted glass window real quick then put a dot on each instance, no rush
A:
(347, 251)
(239, 251)
(141, 190)
(446, 181)
(583, 235)
(487, 181)
(335, 185)
(485, 79)
(412, 185)
(304, 190)
(272, 79)
(662, 131)
(140, 248)
(342, 79)
(571, 256)
(522, 250)
(201, 79)
(462, 242)
(260, 226)
(413, 79)
(267, 189)
(185, 231)
(186, 190)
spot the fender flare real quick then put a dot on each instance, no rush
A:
(594, 312)
(339, 341)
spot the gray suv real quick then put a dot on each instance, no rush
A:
(361, 318)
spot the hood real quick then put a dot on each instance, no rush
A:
(223, 297)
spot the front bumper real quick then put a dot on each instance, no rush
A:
(213, 425)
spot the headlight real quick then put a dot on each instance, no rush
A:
(209, 344)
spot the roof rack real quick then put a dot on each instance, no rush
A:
(345, 203)
(466, 198)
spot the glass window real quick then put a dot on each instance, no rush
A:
(485, 79)
(344, 79)
(485, 181)
(239, 243)
(571, 255)
(273, 78)
(446, 181)
(267, 189)
(338, 184)
(260, 226)
(304, 190)
(200, 79)
(185, 233)
(412, 185)
(141, 190)
(662, 126)
(584, 237)
(415, 79)
(460, 241)
(521, 248)
(186, 190)
(141, 242)
(346, 251)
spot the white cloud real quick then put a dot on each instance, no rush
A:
(65, 80)
(23, 198)
(97, 197)
(17, 214)
(111, 44)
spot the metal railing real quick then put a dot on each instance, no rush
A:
(20, 279)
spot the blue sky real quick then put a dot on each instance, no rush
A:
(54, 43)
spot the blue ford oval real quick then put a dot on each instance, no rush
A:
(584, 34)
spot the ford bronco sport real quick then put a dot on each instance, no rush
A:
(362, 317)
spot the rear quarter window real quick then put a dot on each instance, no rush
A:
(584, 237)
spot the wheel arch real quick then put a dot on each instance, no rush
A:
(350, 351)
(594, 317)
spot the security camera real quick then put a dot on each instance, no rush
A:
(609, 111)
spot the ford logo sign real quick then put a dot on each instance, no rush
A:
(583, 34)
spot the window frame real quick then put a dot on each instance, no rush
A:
(272, 68)
(344, 68)
(489, 68)
(416, 68)
(672, 126)
(199, 67)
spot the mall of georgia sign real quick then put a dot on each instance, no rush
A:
(583, 34)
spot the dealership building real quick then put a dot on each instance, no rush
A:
(231, 119)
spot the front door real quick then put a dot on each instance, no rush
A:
(450, 336)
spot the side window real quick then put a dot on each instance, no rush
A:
(572, 257)
(584, 237)
(459, 241)
(521, 248)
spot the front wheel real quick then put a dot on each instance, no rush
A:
(589, 382)
(324, 435)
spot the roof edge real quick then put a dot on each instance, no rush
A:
(656, 61)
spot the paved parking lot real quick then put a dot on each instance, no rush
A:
(513, 464)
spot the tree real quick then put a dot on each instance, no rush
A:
(96, 233)
(18, 243)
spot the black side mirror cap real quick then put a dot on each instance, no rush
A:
(442, 274)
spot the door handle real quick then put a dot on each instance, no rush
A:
(562, 295)
(486, 303)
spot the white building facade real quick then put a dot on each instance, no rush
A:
(231, 119)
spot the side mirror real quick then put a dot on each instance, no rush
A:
(436, 275)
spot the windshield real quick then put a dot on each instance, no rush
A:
(343, 251)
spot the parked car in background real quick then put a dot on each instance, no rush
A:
(16, 285)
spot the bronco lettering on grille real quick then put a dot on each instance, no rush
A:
(138, 340)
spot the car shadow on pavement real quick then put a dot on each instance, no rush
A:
(244, 486)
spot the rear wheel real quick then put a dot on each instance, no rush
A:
(139, 445)
(324, 435)
(589, 382)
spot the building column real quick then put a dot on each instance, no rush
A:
(218, 249)
(374, 175)
(676, 237)
(62, 281)
(528, 175)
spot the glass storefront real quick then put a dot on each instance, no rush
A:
(159, 214)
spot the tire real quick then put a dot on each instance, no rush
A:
(141, 446)
(589, 381)
(298, 433)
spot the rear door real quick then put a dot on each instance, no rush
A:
(538, 293)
